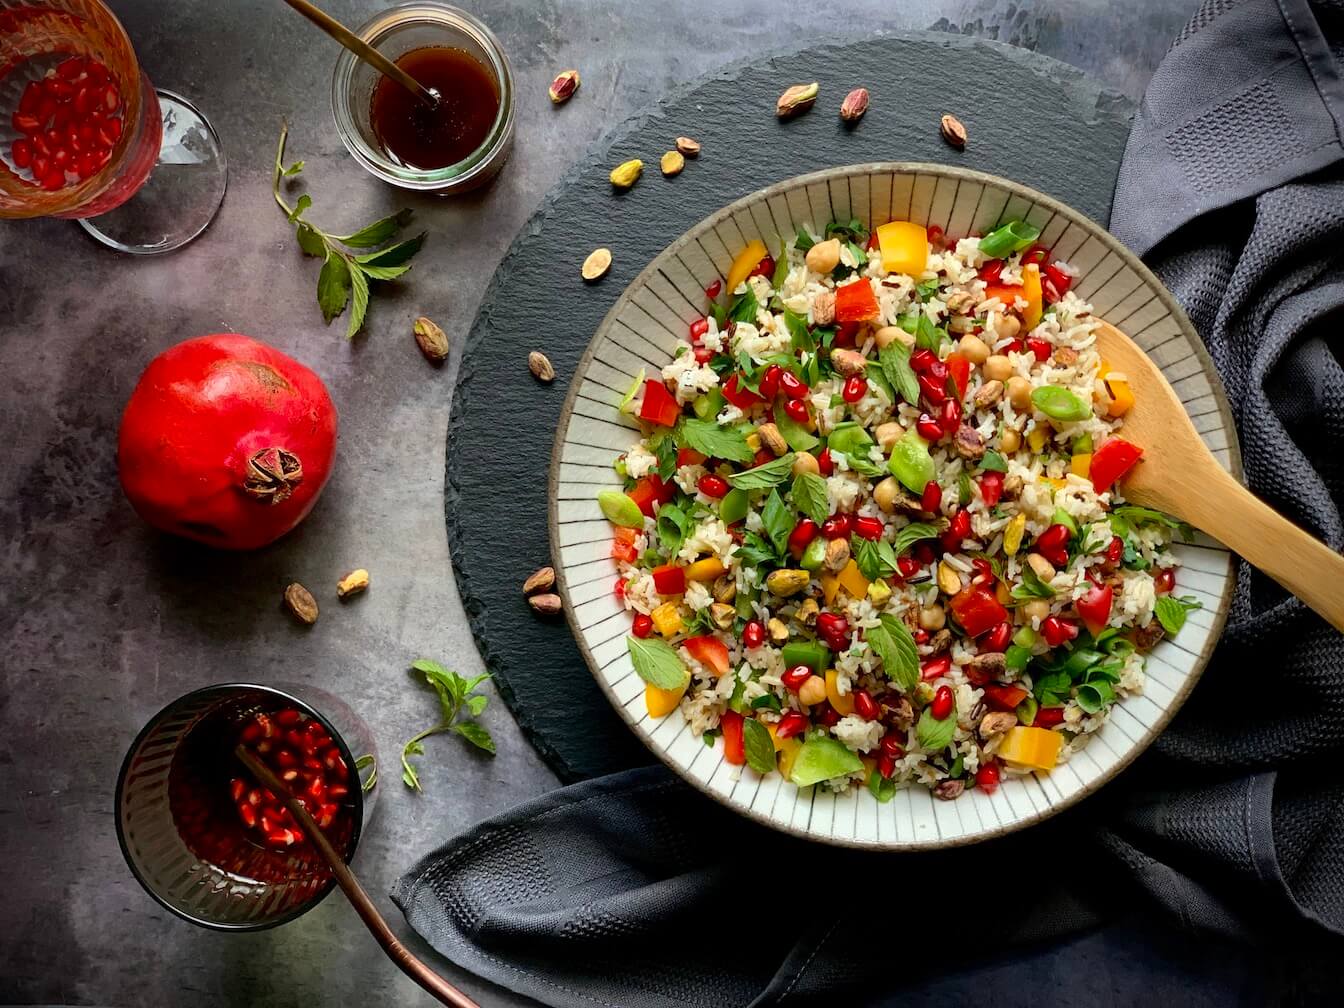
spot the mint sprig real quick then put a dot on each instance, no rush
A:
(345, 275)
(460, 706)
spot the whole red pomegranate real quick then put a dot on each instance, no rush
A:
(227, 441)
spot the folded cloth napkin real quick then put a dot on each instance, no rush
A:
(635, 891)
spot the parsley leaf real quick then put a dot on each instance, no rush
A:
(1172, 612)
(454, 693)
(895, 361)
(708, 438)
(1052, 688)
(810, 498)
(926, 289)
(665, 450)
(764, 477)
(656, 663)
(804, 240)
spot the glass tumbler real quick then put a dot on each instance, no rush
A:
(180, 829)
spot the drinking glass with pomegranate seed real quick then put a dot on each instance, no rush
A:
(81, 130)
(871, 535)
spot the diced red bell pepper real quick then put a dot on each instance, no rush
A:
(740, 397)
(1048, 717)
(1004, 698)
(650, 492)
(959, 370)
(977, 610)
(623, 552)
(856, 302)
(1111, 461)
(669, 579)
(689, 456)
(1095, 607)
(1008, 295)
(730, 723)
(658, 407)
(710, 652)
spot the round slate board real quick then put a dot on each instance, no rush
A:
(1030, 119)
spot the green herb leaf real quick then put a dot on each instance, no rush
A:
(674, 525)
(777, 518)
(373, 235)
(993, 462)
(934, 735)
(455, 694)
(382, 272)
(764, 477)
(620, 509)
(781, 268)
(708, 438)
(912, 534)
(310, 240)
(305, 201)
(1027, 710)
(799, 335)
(895, 361)
(926, 289)
(1032, 587)
(745, 306)
(893, 643)
(927, 335)
(293, 169)
(964, 488)
(393, 255)
(758, 746)
(875, 559)
(657, 663)
(1134, 514)
(1172, 612)
(822, 758)
(1052, 688)
(880, 787)
(476, 735)
(734, 506)
(333, 286)
(810, 497)
(804, 240)
(359, 301)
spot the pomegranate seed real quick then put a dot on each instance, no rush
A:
(1040, 349)
(336, 764)
(770, 381)
(935, 233)
(765, 268)
(997, 639)
(987, 778)
(753, 634)
(942, 703)
(907, 566)
(794, 678)
(317, 789)
(923, 552)
(714, 290)
(950, 415)
(21, 151)
(30, 99)
(285, 758)
(869, 528)
(921, 636)
(26, 122)
(111, 100)
(335, 791)
(934, 390)
(865, 706)
(1056, 630)
(921, 359)
(248, 815)
(265, 823)
(236, 789)
(1049, 292)
(790, 724)
(983, 567)
(1060, 280)
(855, 388)
(837, 526)
(702, 355)
(796, 410)
(991, 488)
(698, 329)
(1164, 580)
(288, 718)
(69, 69)
(833, 629)
(254, 797)
(281, 838)
(886, 766)
(803, 533)
(1053, 544)
(712, 486)
(958, 529)
(1115, 551)
(312, 763)
(109, 131)
(935, 668)
(893, 745)
(938, 372)
(643, 625)
(826, 715)
(929, 429)
(791, 385)
(991, 271)
(932, 497)
(824, 463)
(618, 589)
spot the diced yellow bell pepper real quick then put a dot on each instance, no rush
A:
(789, 749)
(1055, 485)
(705, 570)
(1118, 396)
(744, 263)
(830, 587)
(853, 581)
(662, 702)
(1037, 438)
(1037, 748)
(667, 620)
(905, 247)
(1002, 593)
(774, 737)
(1012, 534)
(1079, 465)
(843, 703)
(1031, 290)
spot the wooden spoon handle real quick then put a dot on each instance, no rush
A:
(1250, 527)
(405, 959)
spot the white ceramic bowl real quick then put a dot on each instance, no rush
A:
(641, 332)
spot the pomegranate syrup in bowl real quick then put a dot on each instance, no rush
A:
(416, 136)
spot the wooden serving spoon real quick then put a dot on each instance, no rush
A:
(405, 959)
(1179, 475)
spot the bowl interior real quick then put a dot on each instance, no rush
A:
(641, 332)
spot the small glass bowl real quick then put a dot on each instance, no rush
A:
(394, 32)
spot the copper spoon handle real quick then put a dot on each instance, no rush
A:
(363, 50)
(406, 961)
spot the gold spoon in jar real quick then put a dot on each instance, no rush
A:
(406, 960)
(364, 51)
(1178, 474)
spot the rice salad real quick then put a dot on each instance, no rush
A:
(871, 535)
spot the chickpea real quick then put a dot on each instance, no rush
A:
(888, 335)
(1009, 327)
(932, 617)
(974, 349)
(824, 256)
(1010, 440)
(887, 493)
(813, 691)
(1041, 566)
(888, 434)
(805, 462)
(1036, 609)
(998, 368)
(1019, 392)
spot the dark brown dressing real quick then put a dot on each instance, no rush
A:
(417, 136)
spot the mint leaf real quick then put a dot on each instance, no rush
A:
(763, 477)
(476, 735)
(673, 526)
(758, 746)
(777, 519)
(880, 787)
(799, 335)
(810, 497)
(874, 559)
(310, 240)
(333, 286)
(895, 361)
(455, 695)
(656, 663)
(373, 235)
(708, 438)
(893, 643)
(1136, 515)
(1032, 587)
(744, 307)
(382, 272)
(913, 533)
(359, 301)
(305, 201)
(993, 462)
(934, 735)
(1172, 612)
(393, 255)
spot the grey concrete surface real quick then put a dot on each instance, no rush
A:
(103, 621)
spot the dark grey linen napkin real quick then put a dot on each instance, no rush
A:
(636, 891)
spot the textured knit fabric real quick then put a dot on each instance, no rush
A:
(635, 891)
